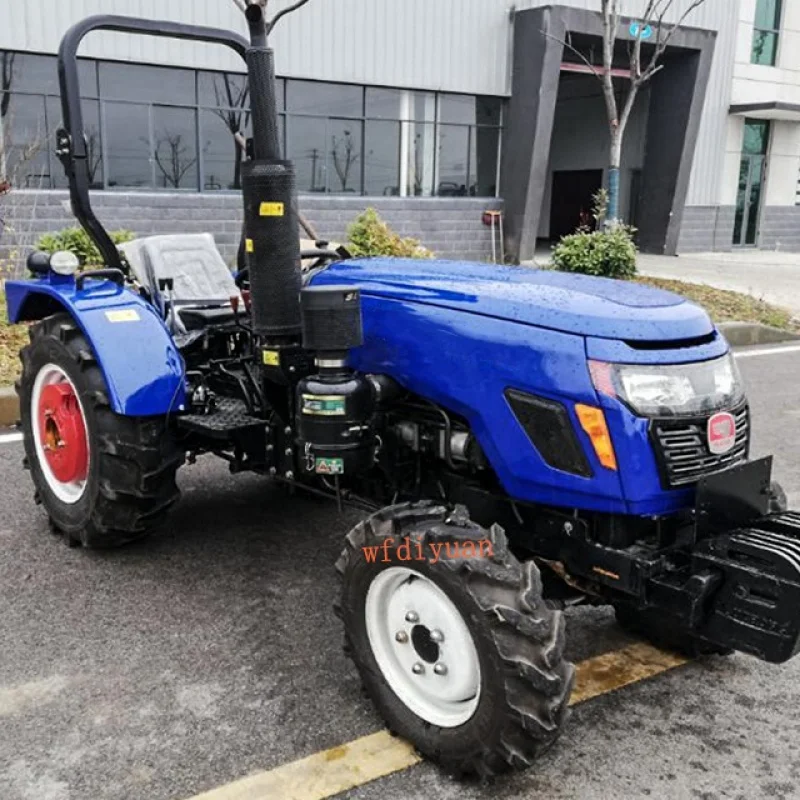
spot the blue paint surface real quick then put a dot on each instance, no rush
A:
(460, 334)
(139, 360)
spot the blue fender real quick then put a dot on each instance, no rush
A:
(142, 367)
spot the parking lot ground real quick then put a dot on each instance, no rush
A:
(210, 652)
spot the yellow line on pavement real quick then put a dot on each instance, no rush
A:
(611, 671)
(330, 772)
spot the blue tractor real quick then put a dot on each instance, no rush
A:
(521, 440)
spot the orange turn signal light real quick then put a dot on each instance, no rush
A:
(593, 422)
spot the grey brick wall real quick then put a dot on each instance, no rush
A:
(451, 227)
(780, 228)
(706, 228)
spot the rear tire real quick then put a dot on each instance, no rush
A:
(502, 698)
(126, 482)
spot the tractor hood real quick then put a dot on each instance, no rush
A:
(578, 304)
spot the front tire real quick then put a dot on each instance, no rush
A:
(462, 657)
(103, 478)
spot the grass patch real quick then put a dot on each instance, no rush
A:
(726, 306)
(12, 338)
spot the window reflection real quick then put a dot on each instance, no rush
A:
(127, 145)
(173, 129)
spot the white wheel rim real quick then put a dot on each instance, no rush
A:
(447, 689)
(69, 492)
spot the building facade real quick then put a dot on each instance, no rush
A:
(433, 111)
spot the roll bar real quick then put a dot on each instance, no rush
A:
(70, 140)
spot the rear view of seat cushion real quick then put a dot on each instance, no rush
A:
(200, 275)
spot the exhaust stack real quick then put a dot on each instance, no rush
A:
(270, 208)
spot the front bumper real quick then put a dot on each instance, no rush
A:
(741, 587)
(756, 608)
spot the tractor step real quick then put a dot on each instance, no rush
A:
(229, 418)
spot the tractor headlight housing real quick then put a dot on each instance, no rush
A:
(671, 390)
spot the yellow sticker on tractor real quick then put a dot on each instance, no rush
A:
(271, 210)
(272, 358)
(249, 246)
(123, 315)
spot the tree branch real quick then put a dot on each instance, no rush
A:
(610, 11)
(288, 10)
(577, 52)
(662, 43)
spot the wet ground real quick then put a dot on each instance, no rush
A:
(211, 651)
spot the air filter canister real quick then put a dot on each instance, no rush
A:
(272, 246)
(331, 318)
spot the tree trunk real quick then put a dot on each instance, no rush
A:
(615, 155)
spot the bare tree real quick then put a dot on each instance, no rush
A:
(176, 162)
(231, 101)
(650, 31)
(242, 6)
(344, 155)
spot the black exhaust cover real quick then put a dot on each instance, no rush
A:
(272, 246)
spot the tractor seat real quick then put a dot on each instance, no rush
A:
(202, 283)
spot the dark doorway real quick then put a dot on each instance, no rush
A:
(572, 200)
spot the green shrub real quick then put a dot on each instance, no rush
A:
(610, 253)
(77, 241)
(369, 235)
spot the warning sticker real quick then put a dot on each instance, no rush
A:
(323, 405)
(271, 358)
(271, 210)
(329, 466)
(123, 315)
(249, 246)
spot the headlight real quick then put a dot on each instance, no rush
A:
(671, 390)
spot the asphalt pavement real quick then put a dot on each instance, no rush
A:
(210, 651)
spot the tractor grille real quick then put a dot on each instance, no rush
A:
(682, 452)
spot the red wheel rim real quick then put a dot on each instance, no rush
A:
(62, 432)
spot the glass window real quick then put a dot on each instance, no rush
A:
(382, 158)
(756, 137)
(230, 90)
(453, 161)
(488, 110)
(324, 99)
(23, 127)
(420, 146)
(175, 147)
(26, 72)
(91, 129)
(144, 84)
(457, 108)
(306, 148)
(221, 155)
(127, 144)
(385, 103)
(766, 31)
(222, 90)
(484, 149)
(344, 156)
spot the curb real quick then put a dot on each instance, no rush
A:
(9, 407)
(741, 334)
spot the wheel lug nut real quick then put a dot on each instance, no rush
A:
(412, 617)
(401, 636)
(440, 669)
(418, 669)
(437, 636)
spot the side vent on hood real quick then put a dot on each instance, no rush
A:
(550, 430)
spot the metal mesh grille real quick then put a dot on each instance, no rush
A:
(274, 257)
(682, 448)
